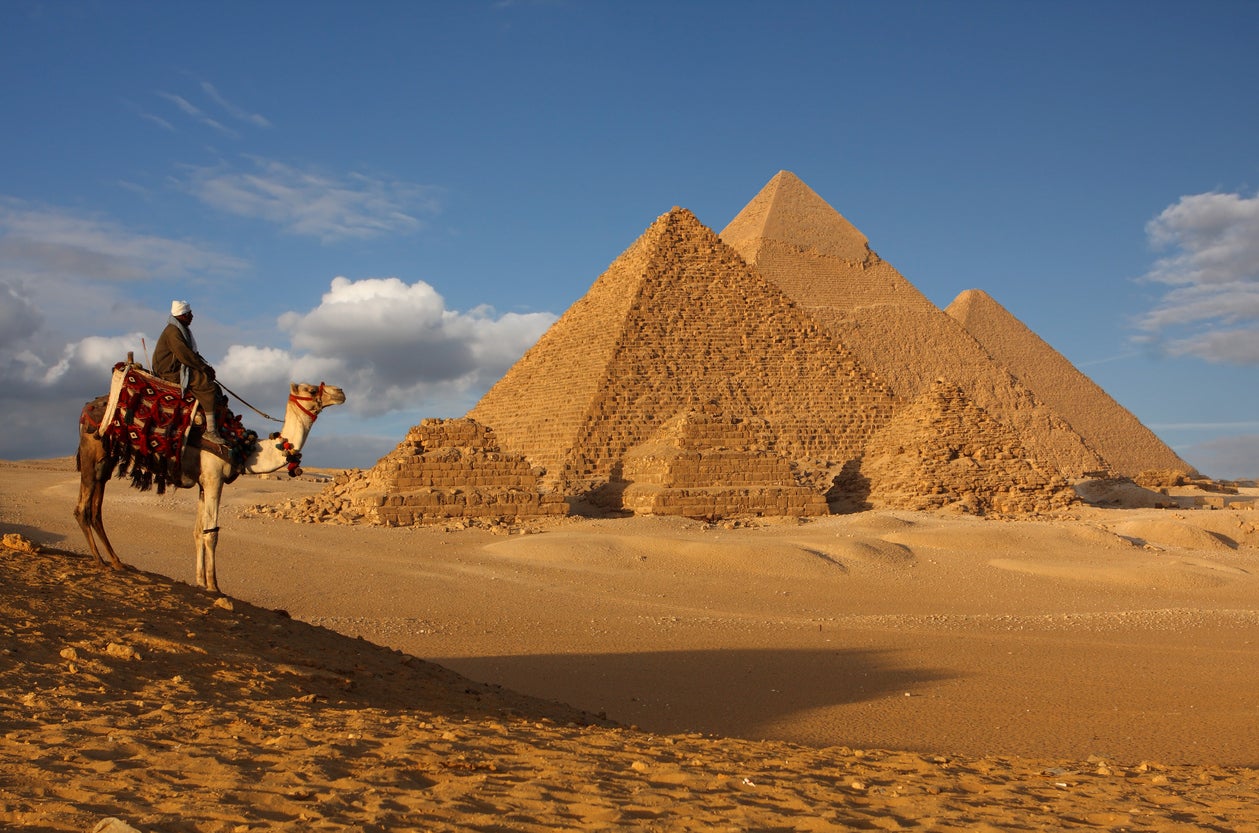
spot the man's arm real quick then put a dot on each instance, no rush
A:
(184, 354)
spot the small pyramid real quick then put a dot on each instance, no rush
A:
(444, 469)
(1128, 446)
(706, 464)
(677, 321)
(888, 324)
(946, 452)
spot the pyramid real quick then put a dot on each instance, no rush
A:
(1128, 446)
(945, 452)
(444, 469)
(676, 323)
(805, 247)
(704, 464)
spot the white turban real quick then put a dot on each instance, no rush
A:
(178, 308)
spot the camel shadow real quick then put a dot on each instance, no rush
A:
(727, 692)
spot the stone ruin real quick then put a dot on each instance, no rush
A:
(779, 368)
(704, 464)
(444, 469)
(945, 452)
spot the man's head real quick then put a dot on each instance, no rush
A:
(181, 310)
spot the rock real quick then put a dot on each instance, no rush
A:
(115, 649)
(15, 541)
(113, 825)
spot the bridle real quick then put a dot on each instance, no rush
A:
(295, 399)
(317, 399)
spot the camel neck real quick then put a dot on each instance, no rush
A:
(272, 454)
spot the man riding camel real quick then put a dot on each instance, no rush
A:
(175, 359)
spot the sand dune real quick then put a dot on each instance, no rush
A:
(874, 671)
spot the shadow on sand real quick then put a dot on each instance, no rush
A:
(728, 692)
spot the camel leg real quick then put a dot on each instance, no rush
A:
(98, 523)
(206, 536)
(198, 540)
(92, 478)
(87, 496)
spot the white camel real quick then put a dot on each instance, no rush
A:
(198, 466)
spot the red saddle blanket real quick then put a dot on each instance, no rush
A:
(147, 423)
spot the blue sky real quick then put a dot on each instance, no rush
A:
(399, 197)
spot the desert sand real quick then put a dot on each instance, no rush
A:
(882, 670)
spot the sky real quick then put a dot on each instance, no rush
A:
(399, 198)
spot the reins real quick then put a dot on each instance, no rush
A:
(292, 398)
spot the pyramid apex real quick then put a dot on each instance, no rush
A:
(970, 302)
(789, 211)
(969, 295)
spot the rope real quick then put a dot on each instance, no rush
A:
(246, 404)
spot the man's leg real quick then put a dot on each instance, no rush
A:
(206, 391)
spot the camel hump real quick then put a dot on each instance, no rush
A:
(147, 423)
(93, 414)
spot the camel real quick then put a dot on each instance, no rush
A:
(199, 466)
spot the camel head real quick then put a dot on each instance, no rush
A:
(314, 398)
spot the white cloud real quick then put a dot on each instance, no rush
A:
(81, 363)
(1212, 309)
(394, 346)
(314, 204)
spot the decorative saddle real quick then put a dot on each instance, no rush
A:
(147, 423)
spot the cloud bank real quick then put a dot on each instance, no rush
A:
(1211, 309)
(40, 243)
(393, 346)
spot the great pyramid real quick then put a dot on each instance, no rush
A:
(1128, 446)
(808, 249)
(679, 322)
